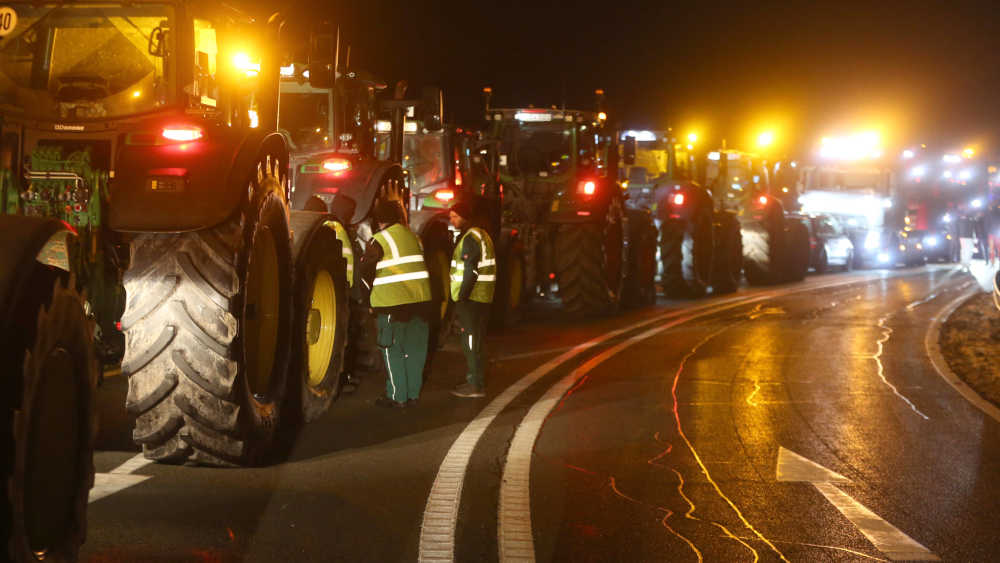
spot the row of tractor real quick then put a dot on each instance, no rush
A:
(179, 199)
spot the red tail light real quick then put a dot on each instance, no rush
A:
(182, 133)
(678, 199)
(444, 195)
(762, 199)
(336, 164)
(458, 175)
(587, 187)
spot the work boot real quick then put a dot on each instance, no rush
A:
(468, 390)
(411, 403)
(387, 403)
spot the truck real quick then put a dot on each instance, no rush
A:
(151, 130)
(563, 214)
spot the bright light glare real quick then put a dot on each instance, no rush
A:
(883, 257)
(977, 203)
(969, 152)
(533, 116)
(645, 136)
(765, 139)
(136, 93)
(762, 199)
(383, 126)
(182, 133)
(858, 146)
(947, 174)
(871, 240)
(242, 62)
(965, 174)
(951, 158)
(908, 154)
(692, 137)
(918, 171)
(587, 188)
(444, 195)
(678, 199)
(288, 70)
(254, 118)
(946, 218)
(602, 116)
(336, 164)
(931, 241)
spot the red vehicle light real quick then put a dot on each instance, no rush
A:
(182, 133)
(678, 199)
(588, 187)
(583, 213)
(336, 164)
(444, 195)
(762, 199)
(329, 190)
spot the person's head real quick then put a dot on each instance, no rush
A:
(387, 213)
(343, 209)
(462, 214)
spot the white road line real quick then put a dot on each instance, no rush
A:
(886, 538)
(118, 479)
(437, 530)
(941, 366)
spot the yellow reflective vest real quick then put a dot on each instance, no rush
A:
(345, 248)
(485, 285)
(400, 276)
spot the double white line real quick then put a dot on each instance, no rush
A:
(437, 531)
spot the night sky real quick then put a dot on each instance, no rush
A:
(919, 72)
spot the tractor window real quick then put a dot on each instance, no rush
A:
(206, 54)
(544, 148)
(424, 158)
(88, 62)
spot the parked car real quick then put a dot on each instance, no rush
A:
(829, 243)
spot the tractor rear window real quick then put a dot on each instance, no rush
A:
(87, 61)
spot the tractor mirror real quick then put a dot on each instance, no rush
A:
(629, 150)
(157, 46)
(432, 108)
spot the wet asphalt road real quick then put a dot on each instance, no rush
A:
(666, 447)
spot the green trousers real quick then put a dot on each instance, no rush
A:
(472, 317)
(404, 349)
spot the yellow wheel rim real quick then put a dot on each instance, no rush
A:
(321, 327)
(440, 261)
(261, 312)
(516, 283)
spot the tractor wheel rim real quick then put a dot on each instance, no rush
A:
(52, 480)
(261, 313)
(321, 327)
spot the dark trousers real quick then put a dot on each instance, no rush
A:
(404, 349)
(472, 318)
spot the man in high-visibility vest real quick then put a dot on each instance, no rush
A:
(342, 208)
(393, 270)
(473, 279)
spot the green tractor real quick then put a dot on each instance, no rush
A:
(564, 214)
(152, 130)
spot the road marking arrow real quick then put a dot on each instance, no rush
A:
(888, 539)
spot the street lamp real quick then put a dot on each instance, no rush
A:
(692, 138)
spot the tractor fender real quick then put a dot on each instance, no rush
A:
(361, 184)
(215, 177)
(423, 223)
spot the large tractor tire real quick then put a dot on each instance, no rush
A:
(590, 264)
(47, 391)
(54, 433)
(640, 281)
(208, 326)
(438, 248)
(797, 254)
(727, 267)
(509, 295)
(763, 243)
(686, 249)
(321, 316)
